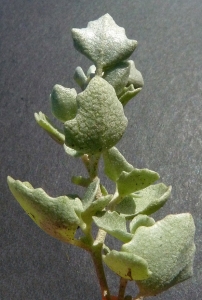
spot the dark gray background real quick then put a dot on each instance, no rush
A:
(164, 131)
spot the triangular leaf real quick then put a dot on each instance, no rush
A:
(56, 216)
(55, 133)
(113, 224)
(103, 42)
(168, 247)
(137, 179)
(127, 265)
(100, 121)
(115, 163)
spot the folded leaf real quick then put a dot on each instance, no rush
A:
(146, 201)
(100, 121)
(56, 216)
(127, 265)
(90, 193)
(55, 133)
(113, 224)
(103, 42)
(140, 220)
(168, 247)
(63, 103)
(80, 77)
(151, 199)
(128, 93)
(115, 163)
(126, 207)
(137, 179)
(72, 152)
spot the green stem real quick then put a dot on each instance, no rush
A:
(122, 288)
(96, 254)
(91, 163)
(115, 200)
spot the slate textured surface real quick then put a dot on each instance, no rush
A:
(164, 131)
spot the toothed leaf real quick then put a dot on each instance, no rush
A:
(103, 42)
(168, 247)
(100, 121)
(56, 216)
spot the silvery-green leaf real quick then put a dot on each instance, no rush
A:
(127, 265)
(100, 121)
(126, 207)
(103, 42)
(55, 133)
(128, 93)
(115, 163)
(80, 77)
(145, 201)
(72, 152)
(80, 180)
(152, 198)
(90, 193)
(113, 224)
(118, 76)
(96, 206)
(56, 216)
(168, 247)
(91, 71)
(137, 179)
(135, 77)
(140, 220)
(63, 103)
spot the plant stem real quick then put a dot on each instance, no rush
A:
(96, 254)
(91, 163)
(122, 288)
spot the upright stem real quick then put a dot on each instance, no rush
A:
(97, 260)
(122, 288)
(91, 163)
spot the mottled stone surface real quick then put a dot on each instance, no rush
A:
(164, 132)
